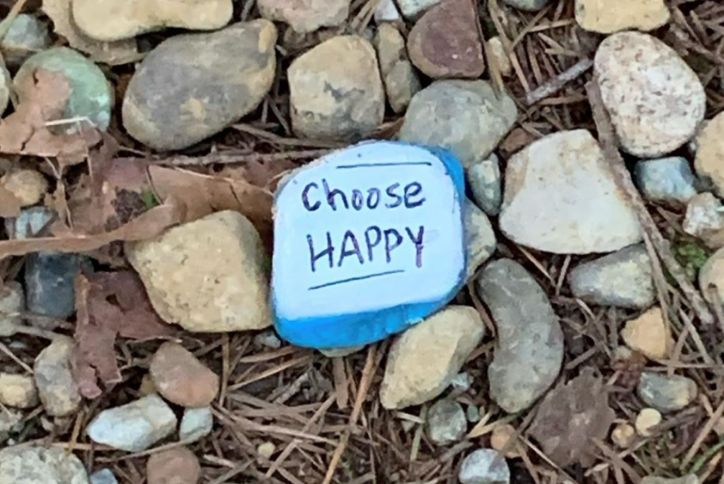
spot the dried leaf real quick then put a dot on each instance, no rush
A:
(109, 304)
(571, 417)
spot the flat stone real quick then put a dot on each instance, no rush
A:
(173, 466)
(401, 81)
(649, 334)
(711, 278)
(485, 184)
(50, 284)
(667, 180)
(91, 95)
(353, 230)
(305, 15)
(424, 359)
(467, 117)
(208, 275)
(646, 420)
(26, 35)
(17, 390)
(479, 236)
(560, 197)
(687, 479)
(386, 11)
(12, 301)
(622, 279)
(445, 42)
(38, 465)
(446, 422)
(608, 16)
(527, 5)
(110, 20)
(412, 9)
(196, 424)
(705, 219)
(57, 389)
(27, 186)
(655, 100)
(710, 152)
(173, 101)
(181, 378)
(340, 100)
(135, 426)
(484, 466)
(529, 349)
(666, 393)
(103, 476)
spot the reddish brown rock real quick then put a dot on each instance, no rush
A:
(174, 466)
(182, 379)
(445, 42)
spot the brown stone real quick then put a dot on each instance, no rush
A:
(445, 42)
(174, 466)
(181, 378)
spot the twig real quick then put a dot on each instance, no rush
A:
(607, 138)
(229, 157)
(556, 84)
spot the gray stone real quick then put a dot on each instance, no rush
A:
(12, 302)
(386, 11)
(306, 16)
(485, 184)
(467, 117)
(666, 179)
(705, 219)
(446, 422)
(50, 283)
(622, 279)
(268, 339)
(91, 95)
(666, 393)
(412, 9)
(529, 349)
(10, 421)
(103, 476)
(479, 237)
(135, 426)
(29, 223)
(341, 352)
(484, 466)
(26, 35)
(472, 413)
(57, 389)
(5, 88)
(401, 81)
(38, 465)
(460, 384)
(527, 5)
(687, 479)
(196, 424)
(174, 101)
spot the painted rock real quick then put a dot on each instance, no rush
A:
(368, 241)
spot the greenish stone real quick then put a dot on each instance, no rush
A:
(91, 94)
(26, 35)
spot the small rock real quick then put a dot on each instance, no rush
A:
(9, 422)
(196, 424)
(622, 279)
(584, 210)
(386, 11)
(527, 5)
(109, 20)
(173, 101)
(53, 378)
(181, 378)
(412, 9)
(500, 440)
(646, 420)
(499, 56)
(472, 413)
(623, 435)
(5, 88)
(687, 479)
(267, 339)
(445, 41)
(656, 101)
(91, 95)
(665, 180)
(710, 152)
(608, 16)
(26, 35)
(341, 352)
(711, 278)
(484, 179)
(339, 100)
(135, 426)
(12, 301)
(446, 422)
(103, 476)
(460, 384)
(30, 223)
(266, 449)
(705, 219)
(306, 16)
(38, 465)
(666, 393)
(17, 391)
(50, 284)
(529, 350)
(425, 358)
(208, 275)
(484, 466)
(480, 237)
(649, 334)
(174, 466)
(27, 186)
(401, 82)
(467, 117)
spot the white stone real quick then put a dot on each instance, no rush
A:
(560, 197)
(412, 9)
(38, 465)
(705, 219)
(386, 11)
(196, 424)
(103, 476)
(656, 101)
(608, 16)
(484, 466)
(17, 390)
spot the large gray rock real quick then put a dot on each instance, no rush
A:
(193, 86)
(666, 393)
(57, 389)
(484, 466)
(446, 422)
(467, 117)
(623, 279)
(665, 179)
(479, 237)
(529, 350)
(38, 465)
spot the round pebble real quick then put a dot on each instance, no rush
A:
(446, 422)
(484, 466)
(623, 435)
(500, 440)
(173, 466)
(181, 378)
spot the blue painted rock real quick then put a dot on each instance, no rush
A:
(367, 241)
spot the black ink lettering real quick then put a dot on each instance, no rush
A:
(358, 200)
(349, 236)
(412, 190)
(331, 193)
(373, 194)
(417, 240)
(329, 252)
(305, 197)
(390, 247)
(391, 193)
(372, 244)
